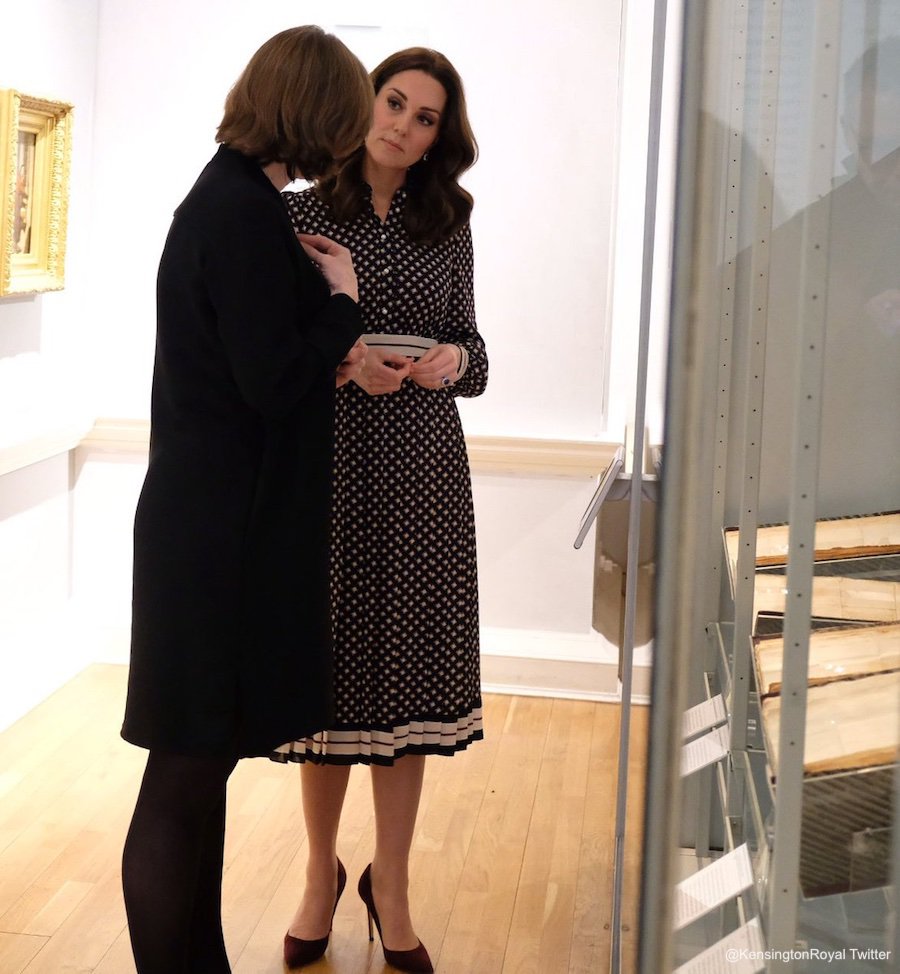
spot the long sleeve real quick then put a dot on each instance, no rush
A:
(252, 282)
(459, 326)
(405, 287)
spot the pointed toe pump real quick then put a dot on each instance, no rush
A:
(299, 952)
(415, 961)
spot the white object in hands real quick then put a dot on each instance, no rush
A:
(411, 346)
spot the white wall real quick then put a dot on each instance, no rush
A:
(36, 651)
(542, 93)
(148, 82)
(47, 48)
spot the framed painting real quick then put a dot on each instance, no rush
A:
(35, 156)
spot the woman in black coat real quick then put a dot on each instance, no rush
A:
(230, 641)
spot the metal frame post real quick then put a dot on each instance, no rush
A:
(734, 40)
(757, 308)
(684, 497)
(756, 305)
(637, 471)
(783, 893)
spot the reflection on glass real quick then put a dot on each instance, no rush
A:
(862, 355)
(797, 216)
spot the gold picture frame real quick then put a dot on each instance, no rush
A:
(35, 157)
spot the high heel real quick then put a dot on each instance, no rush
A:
(299, 952)
(415, 961)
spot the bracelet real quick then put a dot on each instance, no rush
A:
(463, 361)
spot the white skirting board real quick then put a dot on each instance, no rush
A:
(513, 661)
(574, 666)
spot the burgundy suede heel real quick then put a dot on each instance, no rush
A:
(415, 961)
(299, 952)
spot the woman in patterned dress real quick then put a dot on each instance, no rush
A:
(403, 574)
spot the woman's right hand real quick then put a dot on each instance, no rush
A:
(333, 261)
(382, 372)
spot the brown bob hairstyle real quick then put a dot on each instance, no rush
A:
(304, 100)
(437, 206)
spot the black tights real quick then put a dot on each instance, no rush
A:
(172, 866)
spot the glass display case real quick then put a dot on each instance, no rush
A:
(778, 585)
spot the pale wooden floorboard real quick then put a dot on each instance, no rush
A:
(511, 868)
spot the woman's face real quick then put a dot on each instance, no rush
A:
(406, 120)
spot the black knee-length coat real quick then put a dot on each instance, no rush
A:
(231, 643)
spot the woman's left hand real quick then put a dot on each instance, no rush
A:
(437, 368)
(352, 364)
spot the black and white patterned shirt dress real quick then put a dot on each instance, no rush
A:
(404, 586)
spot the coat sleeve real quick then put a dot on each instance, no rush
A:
(459, 326)
(281, 330)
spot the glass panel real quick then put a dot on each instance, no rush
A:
(784, 346)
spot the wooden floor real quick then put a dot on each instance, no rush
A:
(511, 866)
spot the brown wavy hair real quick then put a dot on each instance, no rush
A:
(304, 100)
(437, 206)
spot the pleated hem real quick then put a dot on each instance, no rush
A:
(384, 745)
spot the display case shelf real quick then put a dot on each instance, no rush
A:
(852, 737)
